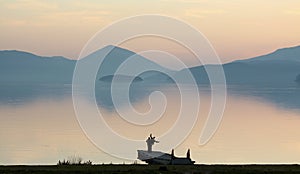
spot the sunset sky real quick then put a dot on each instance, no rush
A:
(236, 28)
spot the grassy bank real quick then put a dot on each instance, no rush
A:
(124, 169)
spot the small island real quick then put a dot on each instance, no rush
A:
(298, 79)
(120, 78)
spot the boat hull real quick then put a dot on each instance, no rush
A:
(157, 157)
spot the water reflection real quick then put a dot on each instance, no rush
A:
(282, 95)
(23, 93)
(43, 132)
(252, 130)
(137, 92)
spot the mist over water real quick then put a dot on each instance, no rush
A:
(38, 125)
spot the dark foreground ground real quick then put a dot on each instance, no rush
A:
(124, 169)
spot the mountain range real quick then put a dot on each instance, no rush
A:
(279, 67)
(24, 67)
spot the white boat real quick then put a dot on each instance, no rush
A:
(157, 157)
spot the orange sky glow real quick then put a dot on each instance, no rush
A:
(237, 29)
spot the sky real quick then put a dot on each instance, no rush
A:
(237, 29)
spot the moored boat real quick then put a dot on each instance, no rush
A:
(157, 157)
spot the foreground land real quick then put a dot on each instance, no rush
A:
(124, 169)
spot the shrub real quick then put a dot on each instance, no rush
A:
(74, 160)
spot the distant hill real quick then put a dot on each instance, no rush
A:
(279, 67)
(284, 54)
(23, 75)
(118, 57)
(121, 78)
(19, 66)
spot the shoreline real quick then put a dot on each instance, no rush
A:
(144, 168)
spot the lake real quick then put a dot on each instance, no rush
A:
(38, 125)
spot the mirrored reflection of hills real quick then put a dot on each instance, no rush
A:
(26, 77)
(285, 96)
(272, 77)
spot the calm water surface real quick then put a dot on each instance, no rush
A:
(38, 125)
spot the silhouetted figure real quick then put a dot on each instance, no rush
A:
(150, 142)
(188, 154)
(172, 154)
(157, 157)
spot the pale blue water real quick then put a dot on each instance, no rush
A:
(260, 125)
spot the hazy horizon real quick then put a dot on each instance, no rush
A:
(237, 30)
(154, 56)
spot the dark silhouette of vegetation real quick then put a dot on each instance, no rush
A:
(74, 160)
(149, 169)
